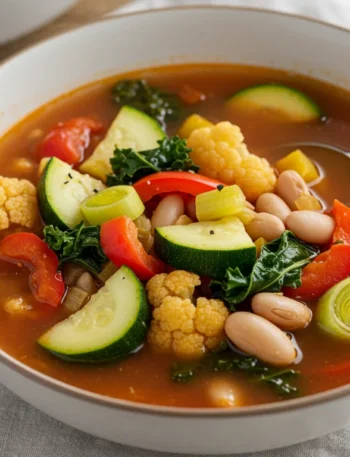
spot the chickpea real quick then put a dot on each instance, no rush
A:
(257, 336)
(284, 312)
(265, 226)
(168, 211)
(290, 185)
(272, 204)
(311, 227)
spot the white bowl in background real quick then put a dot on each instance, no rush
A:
(186, 35)
(19, 17)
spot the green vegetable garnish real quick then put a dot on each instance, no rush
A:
(80, 245)
(280, 264)
(160, 105)
(182, 372)
(333, 310)
(279, 380)
(129, 166)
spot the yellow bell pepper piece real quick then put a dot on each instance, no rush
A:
(193, 122)
(307, 202)
(259, 243)
(300, 163)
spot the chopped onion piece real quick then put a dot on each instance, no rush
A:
(75, 299)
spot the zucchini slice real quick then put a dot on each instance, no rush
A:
(289, 102)
(130, 129)
(206, 248)
(110, 326)
(61, 190)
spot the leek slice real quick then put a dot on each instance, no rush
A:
(333, 310)
(113, 202)
(219, 203)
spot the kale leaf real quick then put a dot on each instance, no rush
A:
(280, 264)
(182, 372)
(160, 105)
(80, 245)
(129, 166)
(256, 371)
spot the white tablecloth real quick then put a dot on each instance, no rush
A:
(26, 432)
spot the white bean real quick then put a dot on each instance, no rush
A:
(266, 226)
(257, 336)
(311, 227)
(222, 394)
(289, 187)
(191, 209)
(284, 312)
(272, 204)
(168, 211)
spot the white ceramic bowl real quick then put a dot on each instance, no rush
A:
(156, 38)
(18, 17)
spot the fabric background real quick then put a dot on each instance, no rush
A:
(26, 432)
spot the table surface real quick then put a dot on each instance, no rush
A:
(26, 432)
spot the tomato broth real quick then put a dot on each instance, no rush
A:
(145, 376)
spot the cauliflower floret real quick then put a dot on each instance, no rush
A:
(210, 316)
(255, 177)
(160, 338)
(221, 153)
(17, 202)
(216, 150)
(175, 313)
(176, 284)
(178, 325)
(191, 345)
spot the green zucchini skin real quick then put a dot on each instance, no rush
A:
(290, 101)
(130, 341)
(238, 250)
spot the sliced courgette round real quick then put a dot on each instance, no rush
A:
(110, 326)
(206, 248)
(61, 190)
(287, 101)
(130, 129)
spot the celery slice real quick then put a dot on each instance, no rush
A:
(333, 310)
(113, 202)
(219, 203)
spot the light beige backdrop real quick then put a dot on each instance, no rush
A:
(83, 12)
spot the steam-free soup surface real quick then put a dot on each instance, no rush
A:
(144, 376)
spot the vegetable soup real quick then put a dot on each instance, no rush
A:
(180, 236)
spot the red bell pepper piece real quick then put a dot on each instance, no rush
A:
(121, 245)
(174, 181)
(326, 270)
(68, 140)
(341, 214)
(45, 282)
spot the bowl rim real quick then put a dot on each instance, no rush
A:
(159, 410)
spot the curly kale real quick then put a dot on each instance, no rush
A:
(80, 245)
(160, 105)
(280, 264)
(129, 166)
(256, 371)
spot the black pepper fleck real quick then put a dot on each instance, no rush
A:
(66, 182)
(123, 277)
(220, 187)
(69, 174)
(95, 190)
(211, 232)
